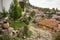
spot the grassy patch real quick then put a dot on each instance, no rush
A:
(17, 24)
(58, 38)
(29, 33)
(9, 38)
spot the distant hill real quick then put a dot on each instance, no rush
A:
(43, 9)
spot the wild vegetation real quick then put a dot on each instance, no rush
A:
(3, 14)
(19, 21)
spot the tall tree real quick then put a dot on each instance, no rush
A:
(54, 11)
(15, 10)
(57, 10)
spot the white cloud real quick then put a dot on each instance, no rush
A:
(46, 3)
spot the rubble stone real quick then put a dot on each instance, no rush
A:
(8, 32)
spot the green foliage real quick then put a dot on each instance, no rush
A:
(20, 24)
(49, 15)
(32, 14)
(15, 10)
(17, 24)
(25, 1)
(25, 30)
(46, 10)
(27, 10)
(29, 33)
(43, 17)
(9, 38)
(26, 19)
(54, 11)
(15, 13)
(29, 18)
(58, 37)
(57, 10)
(3, 14)
(57, 19)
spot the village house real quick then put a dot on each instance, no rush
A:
(38, 14)
(56, 17)
(6, 4)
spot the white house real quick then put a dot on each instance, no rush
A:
(0, 5)
(6, 4)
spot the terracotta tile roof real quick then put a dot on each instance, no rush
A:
(47, 22)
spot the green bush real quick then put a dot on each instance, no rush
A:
(3, 14)
(15, 10)
(17, 24)
(9, 38)
(29, 33)
(32, 14)
(57, 19)
(57, 38)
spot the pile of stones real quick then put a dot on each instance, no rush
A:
(5, 30)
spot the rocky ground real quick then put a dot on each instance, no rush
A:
(40, 34)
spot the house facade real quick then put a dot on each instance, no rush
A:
(6, 4)
(56, 17)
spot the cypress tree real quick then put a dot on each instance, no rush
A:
(15, 10)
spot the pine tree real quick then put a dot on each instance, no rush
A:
(15, 10)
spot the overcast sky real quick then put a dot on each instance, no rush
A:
(46, 3)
